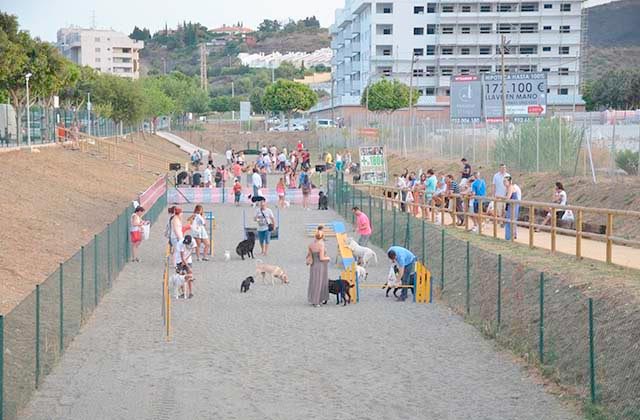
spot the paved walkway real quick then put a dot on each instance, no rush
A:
(267, 354)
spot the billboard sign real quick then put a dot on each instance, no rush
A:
(245, 111)
(373, 165)
(526, 94)
(466, 98)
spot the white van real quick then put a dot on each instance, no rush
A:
(325, 123)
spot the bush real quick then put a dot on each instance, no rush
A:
(628, 161)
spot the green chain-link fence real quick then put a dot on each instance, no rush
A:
(594, 353)
(34, 334)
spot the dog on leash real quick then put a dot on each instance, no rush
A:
(273, 271)
(361, 253)
(393, 282)
(340, 288)
(323, 201)
(246, 247)
(246, 284)
(181, 282)
(361, 272)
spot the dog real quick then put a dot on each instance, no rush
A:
(246, 284)
(393, 282)
(227, 255)
(340, 288)
(361, 272)
(361, 253)
(273, 271)
(323, 201)
(246, 247)
(180, 281)
(287, 204)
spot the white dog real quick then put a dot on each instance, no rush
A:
(361, 253)
(273, 271)
(227, 255)
(361, 273)
(177, 283)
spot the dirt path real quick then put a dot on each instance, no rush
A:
(268, 355)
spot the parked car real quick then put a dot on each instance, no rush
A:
(325, 123)
(286, 127)
(273, 121)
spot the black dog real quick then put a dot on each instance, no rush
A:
(395, 289)
(340, 288)
(246, 284)
(323, 201)
(246, 247)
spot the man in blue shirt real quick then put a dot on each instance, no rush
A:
(478, 192)
(406, 263)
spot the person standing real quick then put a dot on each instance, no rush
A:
(136, 232)
(499, 189)
(339, 162)
(305, 185)
(318, 260)
(478, 193)
(466, 168)
(229, 156)
(453, 188)
(199, 230)
(406, 263)
(363, 226)
(300, 146)
(207, 177)
(237, 191)
(514, 193)
(256, 182)
(266, 225)
(176, 234)
(280, 190)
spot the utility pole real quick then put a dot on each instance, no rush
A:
(413, 61)
(89, 113)
(333, 112)
(204, 85)
(27, 77)
(504, 86)
(164, 65)
(233, 95)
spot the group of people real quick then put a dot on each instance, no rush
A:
(341, 161)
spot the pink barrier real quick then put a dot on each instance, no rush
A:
(153, 193)
(225, 195)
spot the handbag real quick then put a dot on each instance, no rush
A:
(270, 225)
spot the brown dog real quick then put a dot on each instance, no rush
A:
(273, 271)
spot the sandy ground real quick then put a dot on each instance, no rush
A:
(267, 354)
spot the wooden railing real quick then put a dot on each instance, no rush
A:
(392, 196)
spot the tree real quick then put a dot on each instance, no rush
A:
(256, 100)
(618, 89)
(387, 95)
(287, 96)
(269, 26)
(140, 34)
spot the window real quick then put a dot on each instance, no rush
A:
(563, 91)
(546, 28)
(431, 29)
(528, 49)
(485, 50)
(430, 71)
(465, 51)
(446, 50)
(563, 50)
(528, 28)
(465, 30)
(447, 8)
(431, 7)
(429, 91)
(466, 9)
(446, 71)
(546, 69)
(565, 29)
(418, 10)
(546, 49)
(431, 49)
(507, 50)
(485, 8)
(97, 39)
(464, 71)
(447, 30)
(97, 50)
(447, 92)
(548, 6)
(485, 29)
(563, 71)
(97, 59)
(98, 69)
(504, 28)
(386, 71)
(387, 10)
(387, 31)
(484, 69)
(565, 7)
(529, 7)
(418, 51)
(418, 73)
(386, 51)
(418, 31)
(506, 7)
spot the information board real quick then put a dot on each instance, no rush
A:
(526, 94)
(245, 110)
(466, 98)
(373, 165)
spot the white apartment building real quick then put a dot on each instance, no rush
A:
(105, 50)
(373, 39)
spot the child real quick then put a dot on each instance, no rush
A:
(280, 188)
(237, 191)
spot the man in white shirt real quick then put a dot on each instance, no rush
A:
(282, 159)
(256, 182)
(499, 190)
(229, 156)
(207, 176)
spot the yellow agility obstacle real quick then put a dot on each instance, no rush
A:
(421, 285)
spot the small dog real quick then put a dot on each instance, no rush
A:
(287, 204)
(227, 255)
(246, 284)
(361, 253)
(340, 288)
(181, 282)
(361, 272)
(273, 271)
(393, 282)
(323, 201)
(246, 247)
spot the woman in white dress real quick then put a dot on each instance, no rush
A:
(199, 233)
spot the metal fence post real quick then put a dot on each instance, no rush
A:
(109, 260)
(61, 308)
(369, 214)
(95, 270)
(442, 261)
(592, 358)
(81, 283)
(37, 335)
(407, 233)
(424, 245)
(382, 223)
(499, 310)
(394, 226)
(541, 336)
(1, 366)
(467, 300)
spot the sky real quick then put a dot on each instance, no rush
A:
(43, 18)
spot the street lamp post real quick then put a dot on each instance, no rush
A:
(89, 113)
(27, 77)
